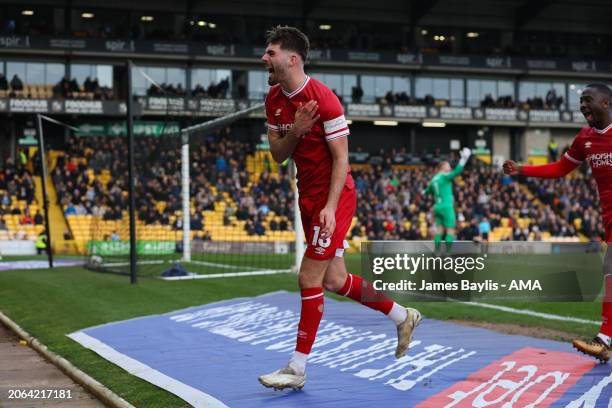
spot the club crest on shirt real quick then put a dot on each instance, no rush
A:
(278, 112)
(587, 145)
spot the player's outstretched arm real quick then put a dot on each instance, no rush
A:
(464, 156)
(551, 170)
(305, 117)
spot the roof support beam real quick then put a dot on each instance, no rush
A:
(528, 11)
(418, 10)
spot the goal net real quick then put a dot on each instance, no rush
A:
(209, 200)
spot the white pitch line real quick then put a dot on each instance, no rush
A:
(219, 265)
(527, 312)
(127, 263)
(226, 275)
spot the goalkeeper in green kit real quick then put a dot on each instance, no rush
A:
(441, 186)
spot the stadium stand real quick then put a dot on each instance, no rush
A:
(240, 194)
(20, 214)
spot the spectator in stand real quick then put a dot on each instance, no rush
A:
(67, 235)
(3, 226)
(38, 218)
(484, 228)
(16, 83)
(356, 94)
(88, 85)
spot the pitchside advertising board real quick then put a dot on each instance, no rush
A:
(203, 107)
(110, 248)
(211, 356)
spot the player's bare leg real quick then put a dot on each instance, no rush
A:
(601, 346)
(338, 280)
(310, 279)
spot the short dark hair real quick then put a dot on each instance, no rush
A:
(289, 38)
(601, 88)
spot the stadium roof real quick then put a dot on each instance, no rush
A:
(580, 16)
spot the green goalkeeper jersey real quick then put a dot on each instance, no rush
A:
(441, 186)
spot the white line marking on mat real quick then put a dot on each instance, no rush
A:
(192, 395)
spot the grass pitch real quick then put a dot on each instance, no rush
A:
(52, 303)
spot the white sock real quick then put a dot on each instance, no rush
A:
(298, 362)
(606, 339)
(398, 314)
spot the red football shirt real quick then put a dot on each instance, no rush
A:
(312, 156)
(595, 146)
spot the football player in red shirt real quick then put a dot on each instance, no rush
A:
(306, 122)
(593, 144)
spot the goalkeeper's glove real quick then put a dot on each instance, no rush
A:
(465, 154)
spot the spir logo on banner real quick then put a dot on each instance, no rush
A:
(211, 356)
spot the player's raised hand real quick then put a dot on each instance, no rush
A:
(464, 155)
(511, 167)
(327, 218)
(306, 116)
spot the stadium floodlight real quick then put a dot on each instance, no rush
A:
(385, 123)
(88, 15)
(472, 34)
(27, 12)
(146, 18)
(202, 23)
(434, 124)
(212, 25)
(325, 27)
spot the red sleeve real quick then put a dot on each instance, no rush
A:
(552, 170)
(574, 156)
(332, 117)
(576, 153)
(271, 122)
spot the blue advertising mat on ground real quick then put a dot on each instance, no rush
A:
(211, 356)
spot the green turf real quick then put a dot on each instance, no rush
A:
(201, 263)
(52, 303)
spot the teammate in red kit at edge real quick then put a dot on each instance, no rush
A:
(593, 144)
(306, 122)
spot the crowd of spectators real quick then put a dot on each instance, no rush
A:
(213, 90)
(66, 88)
(17, 184)
(216, 161)
(550, 101)
(573, 197)
(390, 202)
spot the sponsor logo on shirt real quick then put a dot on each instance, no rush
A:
(283, 128)
(600, 160)
(587, 145)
